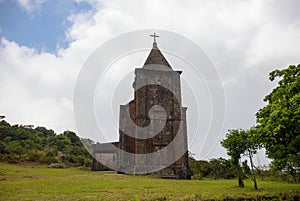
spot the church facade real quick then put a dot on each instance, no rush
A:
(152, 127)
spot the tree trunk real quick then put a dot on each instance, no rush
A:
(252, 172)
(292, 172)
(294, 177)
(240, 180)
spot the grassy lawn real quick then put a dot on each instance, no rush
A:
(40, 183)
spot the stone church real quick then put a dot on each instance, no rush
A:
(152, 127)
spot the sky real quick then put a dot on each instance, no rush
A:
(44, 45)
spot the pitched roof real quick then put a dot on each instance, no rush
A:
(156, 57)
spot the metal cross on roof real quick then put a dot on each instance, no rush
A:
(154, 36)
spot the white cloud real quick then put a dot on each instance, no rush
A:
(246, 39)
(36, 88)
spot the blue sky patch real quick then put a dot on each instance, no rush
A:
(43, 29)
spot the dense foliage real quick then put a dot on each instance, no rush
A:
(219, 168)
(277, 129)
(279, 121)
(24, 143)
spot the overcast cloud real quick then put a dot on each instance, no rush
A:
(245, 39)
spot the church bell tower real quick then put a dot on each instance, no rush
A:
(159, 119)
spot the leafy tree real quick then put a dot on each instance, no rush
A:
(45, 132)
(279, 121)
(242, 142)
(62, 142)
(15, 148)
(234, 143)
(74, 139)
(220, 168)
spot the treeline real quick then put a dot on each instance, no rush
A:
(19, 143)
(219, 168)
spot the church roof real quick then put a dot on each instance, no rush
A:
(156, 57)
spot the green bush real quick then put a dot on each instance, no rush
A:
(198, 176)
(35, 155)
(23, 143)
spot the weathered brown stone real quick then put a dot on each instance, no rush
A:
(155, 84)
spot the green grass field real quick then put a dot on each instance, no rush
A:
(41, 183)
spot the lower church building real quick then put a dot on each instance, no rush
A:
(152, 127)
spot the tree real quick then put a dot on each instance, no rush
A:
(221, 168)
(74, 139)
(62, 141)
(252, 144)
(240, 142)
(234, 143)
(15, 148)
(279, 121)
